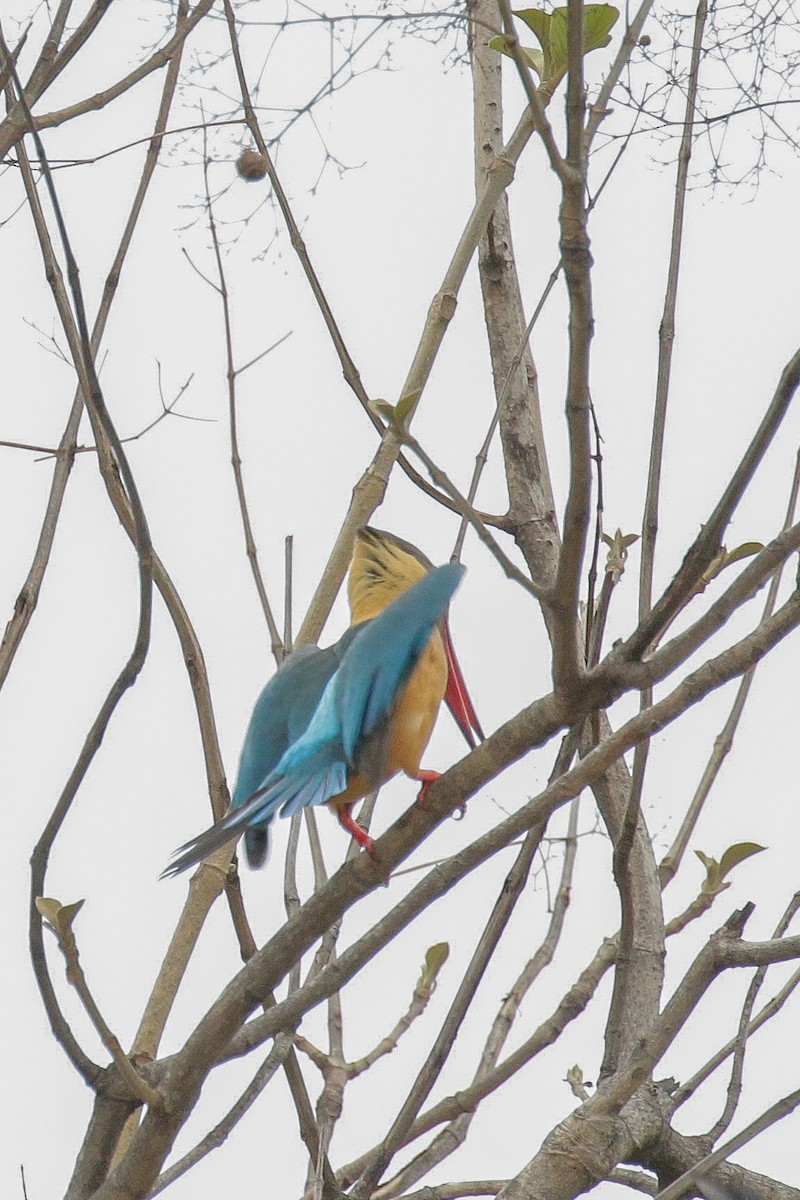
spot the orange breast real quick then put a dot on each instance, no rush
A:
(417, 708)
(412, 720)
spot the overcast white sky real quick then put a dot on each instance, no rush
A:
(380, 235)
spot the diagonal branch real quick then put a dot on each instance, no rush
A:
(776, 1112)
(708, 541)
(724, 740)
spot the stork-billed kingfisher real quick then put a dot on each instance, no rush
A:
(334, 724)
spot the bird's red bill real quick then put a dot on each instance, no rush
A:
(456, 696)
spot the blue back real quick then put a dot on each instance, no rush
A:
(378, 662)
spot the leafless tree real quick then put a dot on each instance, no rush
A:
(551, 543)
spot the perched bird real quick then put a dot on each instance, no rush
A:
(333, 724)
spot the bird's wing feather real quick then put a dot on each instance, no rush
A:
(380, 663)
(281, 715)
(319, 787)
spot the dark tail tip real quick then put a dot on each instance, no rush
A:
(256, 846)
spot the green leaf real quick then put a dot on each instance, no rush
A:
(435, 958)
(746, 550)
(713, 883)
(397, 416)
(550, 30)
(558, 40)
(736, 854)
(383, 409)
(535, 57)
(539, 23)
(598, 21)
(69, 912)
(57, 915)
(724, 558)
(48, 909)
(404, 409)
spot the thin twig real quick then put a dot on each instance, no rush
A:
(389, 1043)
(745, 1020)
(236, 458)
(666, 338)
(288, 598)
(76, 976)
(773, 1006)
(167, 410)
(309, 1126)
(62, 164)
(217, 1136)
(708, 541)
(660, 664)
(14, 126)
(599, 110)
(666, 333)
(468, 513)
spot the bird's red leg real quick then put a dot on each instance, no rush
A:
(426, 778)
(346, 821)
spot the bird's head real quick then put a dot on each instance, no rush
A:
(383, 567)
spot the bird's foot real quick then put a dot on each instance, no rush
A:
(426, 778)
(356, 832)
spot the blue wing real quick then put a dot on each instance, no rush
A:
(280, 716)
(358, 698)
(320, 715)
(281, 713)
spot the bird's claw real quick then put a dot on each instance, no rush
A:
(356, 832)
(426, 778)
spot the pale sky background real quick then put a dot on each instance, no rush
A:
(380, 235)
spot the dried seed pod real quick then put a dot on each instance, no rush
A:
(251, 165)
